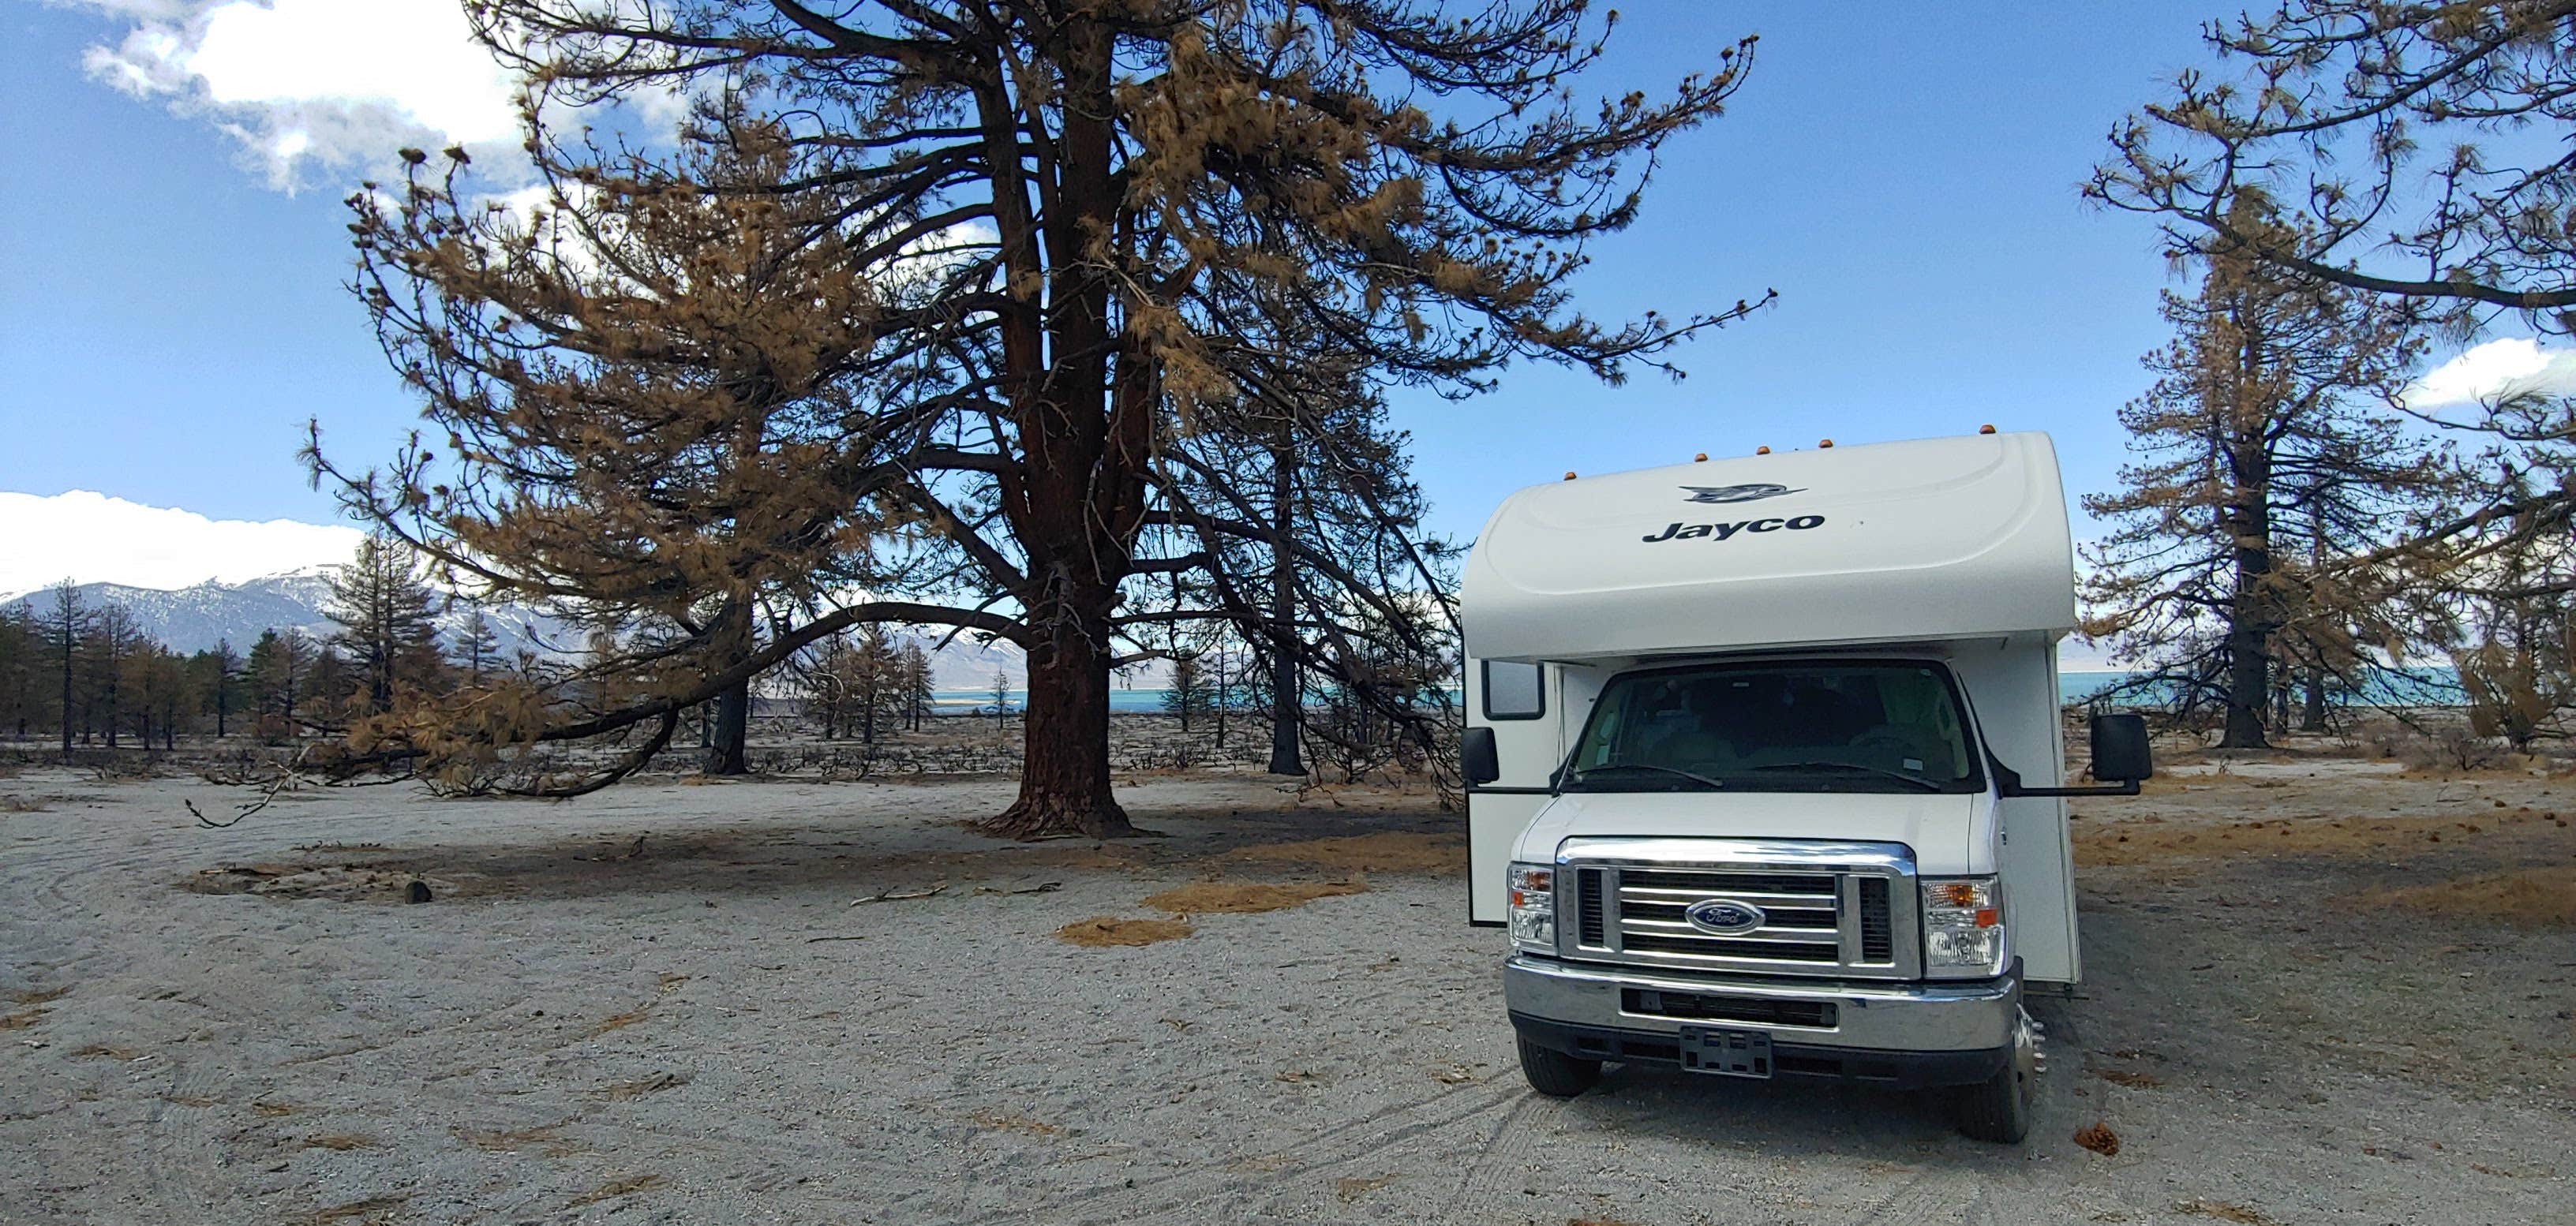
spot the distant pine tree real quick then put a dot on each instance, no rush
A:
(277, 673)
(66, 624)
(111, 646)
(388, 622)
(913, 679)
(478, 647)
(1191, 692)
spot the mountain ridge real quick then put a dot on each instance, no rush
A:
(196, 617)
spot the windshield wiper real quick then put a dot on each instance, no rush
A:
(1700, 779)
(1901, 777)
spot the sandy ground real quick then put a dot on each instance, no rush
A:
(806, 1002)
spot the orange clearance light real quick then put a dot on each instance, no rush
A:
(1959, 893)
(1986, 429)
(1701, 458)
(1761, 451)
(1989, 917)
(1569, 476)
(1824, 442)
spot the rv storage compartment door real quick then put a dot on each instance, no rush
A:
(1517, 701)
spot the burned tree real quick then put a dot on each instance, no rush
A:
(1064, 237)
(388, 622)
(2265, 452)
(2421, 154)
(650, 391)
(2344, 110)
(65, 629)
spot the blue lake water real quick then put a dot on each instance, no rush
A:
(2072, 687)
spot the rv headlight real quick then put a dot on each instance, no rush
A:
(1532, 890)
(1963, 927)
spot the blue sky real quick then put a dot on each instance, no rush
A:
(169, 317)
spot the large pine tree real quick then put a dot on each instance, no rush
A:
(965, 281)
(2266, 460)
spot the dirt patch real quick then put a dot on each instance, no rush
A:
(613, 1189)
(371, 1207)
(1101, 931)
(624, 1091)
(40, 996)
(1355, 1188)
(2150, 841)
(342, 1142)
(2125, 1077)
(334, 882)
(40, 804)
(1225, 898)
(2224, 1212)
(2528, 898)
(2099, 1139)
(544, 1139)
(995, 1121)
(618, 1022)
(1392, 851)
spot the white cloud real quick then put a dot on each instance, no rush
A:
(2498, 367)
(299, 82)
(92, 538)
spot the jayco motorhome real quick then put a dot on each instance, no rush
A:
(1766, 766)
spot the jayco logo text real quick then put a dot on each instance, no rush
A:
(1684, 532)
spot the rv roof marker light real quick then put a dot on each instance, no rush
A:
(1569, 476)
(1701, 458)
(1986, 429)
(1761, 451)
(1824, 442)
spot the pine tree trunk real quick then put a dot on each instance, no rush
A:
(1064, 772)
(1087, 431)
(728, 752)
(2312, 711)
(1286, 711)
(67, 692)
(2248, 630)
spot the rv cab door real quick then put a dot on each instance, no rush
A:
(1520, 702)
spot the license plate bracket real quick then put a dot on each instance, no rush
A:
(1727, 1053)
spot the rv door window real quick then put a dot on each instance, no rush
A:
(1513, 691)
(1821, 726)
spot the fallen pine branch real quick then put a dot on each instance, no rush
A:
(894, 896)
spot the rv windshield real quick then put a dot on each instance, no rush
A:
(1820, 726)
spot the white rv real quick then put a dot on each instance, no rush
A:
(1765, 766)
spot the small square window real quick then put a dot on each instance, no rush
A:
(1514, 691)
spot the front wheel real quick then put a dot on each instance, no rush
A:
(1998, 1108)
(1556, 1074)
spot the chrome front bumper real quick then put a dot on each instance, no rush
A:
(1879, 1017)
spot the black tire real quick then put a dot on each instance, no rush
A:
(1556, 1074)
(1998, 1109)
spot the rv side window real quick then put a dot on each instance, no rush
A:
(1513, 691)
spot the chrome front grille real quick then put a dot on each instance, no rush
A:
(1829, 909)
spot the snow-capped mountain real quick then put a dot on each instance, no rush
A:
(192, 619)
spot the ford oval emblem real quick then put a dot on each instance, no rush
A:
(1724, 917)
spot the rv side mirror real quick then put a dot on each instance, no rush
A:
(1476, 757)
(2120, 753)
